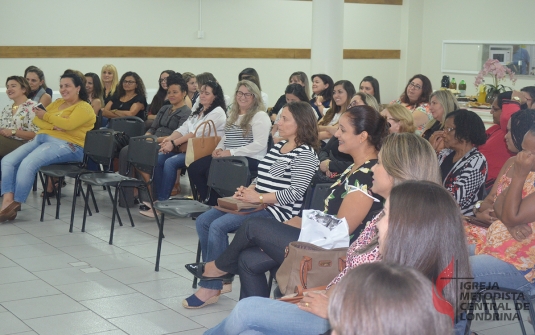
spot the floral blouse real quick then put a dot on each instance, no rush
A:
(22, 120)
(500, 244)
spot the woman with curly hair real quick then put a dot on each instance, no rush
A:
(130, 99)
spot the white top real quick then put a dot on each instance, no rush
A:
(217, 115)
(265, 98)
(254, 145)
(334, 121)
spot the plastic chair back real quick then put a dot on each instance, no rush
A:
(143, 153)
(99, 146)
(130, 125)
(315, 196)
(227, 174)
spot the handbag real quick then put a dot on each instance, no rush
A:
(121, 140)
(300, 293)
(199, 147)
(476, 222)
(308, 265)
(235, 206)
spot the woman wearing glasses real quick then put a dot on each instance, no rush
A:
(130, 99)
(416, 99)
(246, 134)
(463, 167)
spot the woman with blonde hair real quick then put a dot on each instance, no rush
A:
(246, 134)
(109, 80)
(441, 103)
(399, 118)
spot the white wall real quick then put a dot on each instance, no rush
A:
(473, 20)
(226, 23)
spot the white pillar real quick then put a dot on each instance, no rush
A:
(328, 38)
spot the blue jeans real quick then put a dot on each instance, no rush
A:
(213, 227)
(489, 269)
(165, 173)
(20, 166)
(255, 315)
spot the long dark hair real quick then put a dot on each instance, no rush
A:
(219, 100)
(159, 97)
(425, 232)
(251, 75)
(327, 93)
(427, 89)
(307, 128)
(298, 91)
(335, 109)
(366, 118)
(140, 87)
(77, 81)
(375, 85)
(97, 87)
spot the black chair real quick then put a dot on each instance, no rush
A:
(99, 147)
(225, 175)
(520, 299)
(143, 156)
(130, 125)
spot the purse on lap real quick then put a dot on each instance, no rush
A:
(235, 206)
(199, 147)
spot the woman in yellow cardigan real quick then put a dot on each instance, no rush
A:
(61, 138)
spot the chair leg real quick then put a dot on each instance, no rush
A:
(35, 183)
(114, 202)
(43, 180)
(197, 260)
(127, 208)
(160, 238)
(83, 195)
(58, 196)
(86, 205)
(270, 281)
(519, 315)
(77, 184)
(45, 198)
(94, 201)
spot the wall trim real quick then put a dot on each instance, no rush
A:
(373, 2)
(179, 52)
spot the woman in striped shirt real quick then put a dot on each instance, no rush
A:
(246, 134)
(283, 177)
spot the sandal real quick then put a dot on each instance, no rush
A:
(192, 302)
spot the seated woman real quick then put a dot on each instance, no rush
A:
(283, 177)
(519, 124)
(298, 77)
(260, 246)
(169, 118)
(342, 93)
(413, 213)
(109, 82)
(193, 92)
(416, 99)
(16, 120)
(332, 161)
(61, 138)
(251, 75)
(463, 167)
(36, 80)
(506, 255)
(130, 99)
(370, 85)
(399, 118)
(246, 134)
(293, 93)
(322, 93)
(367, 293)
(160, 98)
(212, 107)
(94, 91)
(441, 104)
(495, 149)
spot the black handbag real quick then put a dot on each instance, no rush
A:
(121, 140)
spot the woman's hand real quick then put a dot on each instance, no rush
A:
(166, 147)
(221, 153)
(246, 194)
(486, 215)
(319, 100)
(437, 140)
(324, 166)
(315, 303)
(215, 153)
(331, 174)
(58, 129)
(520, 232)
(5, 132)
(524, 163)
(39, 112)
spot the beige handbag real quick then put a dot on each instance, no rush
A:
(306, 265)
(199, 147)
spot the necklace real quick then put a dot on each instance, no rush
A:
(15, 107)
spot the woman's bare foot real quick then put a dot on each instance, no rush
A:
(210, 270)
(205, 294)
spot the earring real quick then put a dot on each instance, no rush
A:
(77, 92)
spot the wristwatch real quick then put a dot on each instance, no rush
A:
(477, 206)
(13, 132)
(261, 197)
(517, 99)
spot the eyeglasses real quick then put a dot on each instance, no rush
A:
(240, 94)
(129, 82)
(447, 130)
(162, 80)
(415, 86)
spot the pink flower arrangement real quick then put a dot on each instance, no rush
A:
(498, 72)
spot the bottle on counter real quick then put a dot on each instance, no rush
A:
(453, 84)
(482, 93)
(462, 88)
(445, 82)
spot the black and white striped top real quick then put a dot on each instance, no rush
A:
(288, 175)
(234, 137)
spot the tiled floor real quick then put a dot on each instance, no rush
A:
(55, 282)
